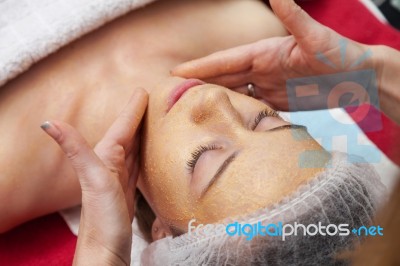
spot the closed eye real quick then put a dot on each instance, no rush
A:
(195, 156)
(261, 115)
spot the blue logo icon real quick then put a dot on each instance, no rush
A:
(354, 89)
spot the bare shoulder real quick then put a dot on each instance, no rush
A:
(87, 82)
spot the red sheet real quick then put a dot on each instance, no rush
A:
(44, 241)
(48, 241)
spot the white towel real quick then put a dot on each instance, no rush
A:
(31, 30)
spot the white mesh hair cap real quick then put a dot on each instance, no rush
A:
(345, 193)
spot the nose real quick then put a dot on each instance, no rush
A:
(213, 105)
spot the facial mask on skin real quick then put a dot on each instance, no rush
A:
(344, 197)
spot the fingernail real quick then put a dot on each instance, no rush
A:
(50, 129)
(45, 125)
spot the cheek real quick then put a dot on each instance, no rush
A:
(166, 185)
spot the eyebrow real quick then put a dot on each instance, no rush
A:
(219, 172)
(233, 156)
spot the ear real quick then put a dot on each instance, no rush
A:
(159, 230)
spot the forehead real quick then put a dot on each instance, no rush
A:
(252, 166)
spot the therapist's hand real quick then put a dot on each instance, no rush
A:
(107, 176)
(269, 63)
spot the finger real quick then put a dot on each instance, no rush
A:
(129, 161)
(241, 89)
(133, 146)
(131, 157)
(295, 19)
(130, 202)
(244, 90)
(85, 162)
(124, 127)
(134, 177)
(231, 80)
(130, 193)
(132, 162)
(230, 61)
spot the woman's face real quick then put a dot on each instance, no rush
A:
(216, 154)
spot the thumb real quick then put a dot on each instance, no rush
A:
(295, 19)
(88, 167)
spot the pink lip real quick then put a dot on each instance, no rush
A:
(179, 90)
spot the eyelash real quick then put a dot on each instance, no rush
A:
(197, 153)
(264, 113)
(191, 163)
